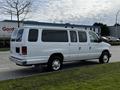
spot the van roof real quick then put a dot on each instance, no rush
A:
(53, 28)
(36, 23)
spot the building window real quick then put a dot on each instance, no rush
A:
(90, 28)
(94, 29)
(85, 28)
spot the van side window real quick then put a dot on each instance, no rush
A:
(33, 35)
(82, 36)
(93, 37)
(73, 36)
(54, 36)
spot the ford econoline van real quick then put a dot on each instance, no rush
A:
(33, 45)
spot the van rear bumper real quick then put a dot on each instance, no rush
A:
(29, 62)
(18, 61)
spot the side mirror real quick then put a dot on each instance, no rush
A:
(100, 40)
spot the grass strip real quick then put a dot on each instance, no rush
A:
(93, 77)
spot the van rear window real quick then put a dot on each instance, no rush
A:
(14, 35)
(54, 36)
(33, 35)
(17, 35)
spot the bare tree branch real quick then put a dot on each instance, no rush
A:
(18, 8)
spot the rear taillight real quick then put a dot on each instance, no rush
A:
(24, 50)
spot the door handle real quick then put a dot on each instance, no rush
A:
(79, 48)
(90, 47)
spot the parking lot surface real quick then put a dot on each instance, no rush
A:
(9, 70)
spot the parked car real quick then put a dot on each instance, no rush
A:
(113, 39)
(105, 39)
(110, 39)
(34, 45)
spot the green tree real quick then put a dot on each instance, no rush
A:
(104, 29)
(116, 24)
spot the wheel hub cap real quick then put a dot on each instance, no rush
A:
(56, 64)
(105, 58)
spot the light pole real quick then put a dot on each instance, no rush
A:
(11, 15)
(116, 22)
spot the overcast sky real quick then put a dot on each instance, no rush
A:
(74, 11)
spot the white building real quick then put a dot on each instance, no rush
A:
(7, 26)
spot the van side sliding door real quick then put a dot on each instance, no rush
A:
(83, 45)
(73, 46)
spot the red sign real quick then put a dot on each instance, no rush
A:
(7, 29)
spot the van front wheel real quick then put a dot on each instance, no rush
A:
(104, 58)
(55, 63)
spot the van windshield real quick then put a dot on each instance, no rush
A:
(17, 35)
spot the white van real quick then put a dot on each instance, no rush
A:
(53, 46)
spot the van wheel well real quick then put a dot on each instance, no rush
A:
(105, 51)
(55, 62)
(57, 54)
(105, 56)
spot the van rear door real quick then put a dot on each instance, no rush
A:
(32, 43)
(16, 42)
(73, 46)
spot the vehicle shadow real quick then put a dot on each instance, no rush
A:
(29, 71)
(79, 64)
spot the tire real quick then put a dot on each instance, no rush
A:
(55, 63)
(104, 58)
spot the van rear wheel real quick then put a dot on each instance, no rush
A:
(55, 63)
(104, 58)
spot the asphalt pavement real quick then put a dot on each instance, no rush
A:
(9, 70)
